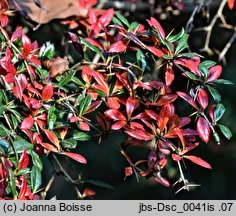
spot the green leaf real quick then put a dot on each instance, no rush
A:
(20, 145)
(182, 44)
(69, 143)
(78, 81)
(4, 145)
(141, 59)
(223, 81)
(116, 21)
(52, 117)
(36, 178)
(208, 63)
(47, 51)
(204, 70)
(214, 93)
(122, 19)
(100, 184)
(225, 131)
(12, 183)
(67, 79)
(36, 160)
(219, 112)
(92, 47)
(192, 76)
(134, 25)
(174, 38)
(23, 171)
(81, 136)
(84, 104)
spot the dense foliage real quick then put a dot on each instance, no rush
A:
(135, 79)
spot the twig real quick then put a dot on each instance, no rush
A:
(48, 186)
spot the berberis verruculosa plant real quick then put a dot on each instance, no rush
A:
(131, 78)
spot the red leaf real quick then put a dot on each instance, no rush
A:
(84, 126)
(24, 160)
(23, 189)
(187, 98)
(152, 114)
(202, 98)
(115, 115)
(17, 90)
(27, 123)
(198, 161)
(128, 171)
(118, 125)
(140, 134)
(168, 98)
(113, 102)
(101, 81)
(26, 43)
(48, 147)
(162, 181)
(130, 105)
(231, 4)
(117, 47)
(176, 157)
(3, 20)
(154, 23)
(16, 34)
(74, 119)
(77, 157)
(47, 92)
(53, 138)
(191, 64)
(88, 192)
(87, 3)
(191, 147)
(169, 75)
(105, 19)
(203, 129)
(155, 51)
(211, 112)
(93, 106)
(214, 73)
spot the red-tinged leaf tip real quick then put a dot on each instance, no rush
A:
(88, 192)
(162, 181)
(176, 157)
(53, 138)
(84, 126)
(26, 43)
(115, 115)
(187, 98)
(203, 129)
(202, 98)
(154, 23)
(211, 112)
(169, 75)
(198, 161)
(214, 73)
(231, 4)
(47, 92)
(77, 157)
(117, 47)
(118, 125)
(155, 51)
(74, 119)
(16, 34)
(49, 147)
(128, 171)
(140, 134)
(130, 106)
(23, 189)
(24, 160)
(101, 81)
(27, 123)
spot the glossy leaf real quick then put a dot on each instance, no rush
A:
(187, 98)
(182, 44)
(203, 129)
(198, 161)
(113, 103)
(214, 73)
(24, 160)
(231, 4)
(49, 147)
(176, 157)
(77, 157)
(117, 47)
(154, 23)
(169, 75)
(47, 92)
(140, 134)
(69, 143)
(36, 178)
(225, 131)
(76, 43)
(36, 160)
(219, 112)
(81, 136)
(84, 104)
(53, 138)
(16, 34)
(26, 43)
(157, 52)
(23, 189)
(115, 115)
(27, 123)
(122, 19)
(202, 98)
(214, 93)
(130, 106)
